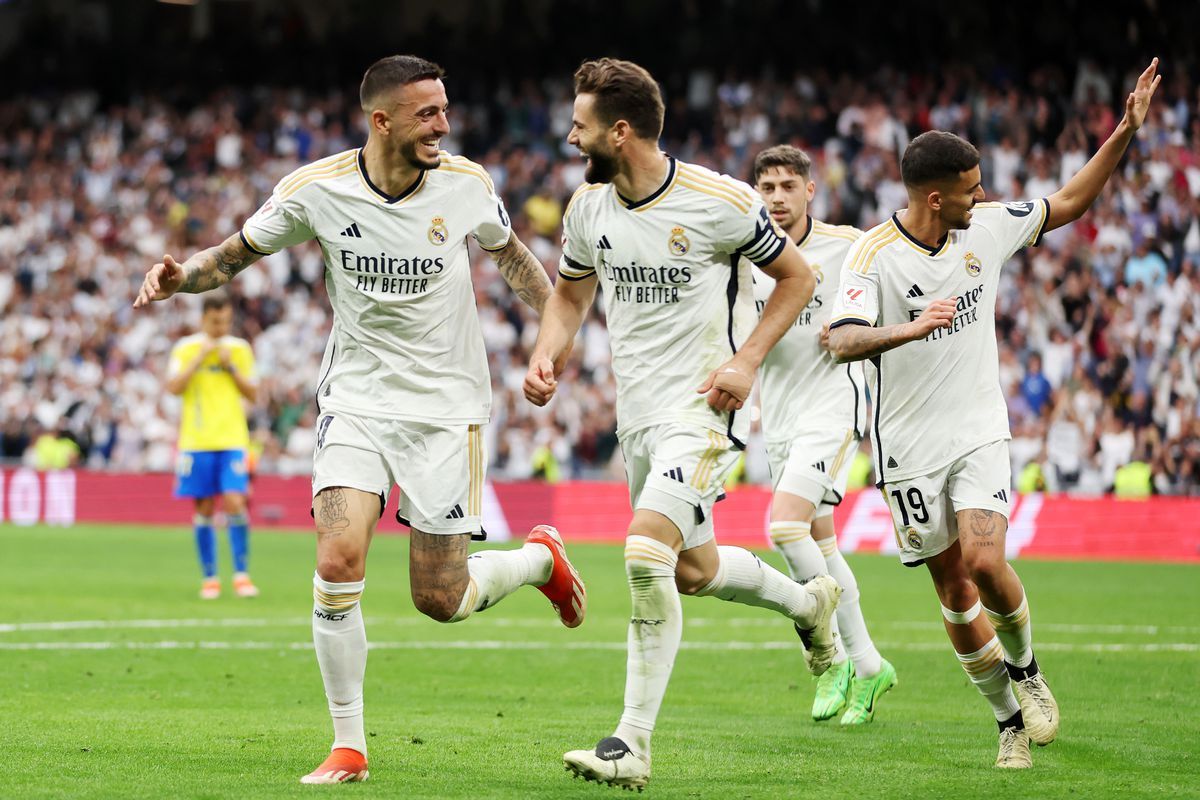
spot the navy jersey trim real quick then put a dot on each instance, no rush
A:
(849, 321)
(731, 292)
(387, 198)
(932, 251)
(1045, 221)
(249, 246)
(632, 205)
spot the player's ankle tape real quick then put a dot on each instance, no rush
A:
(202, 520)
(962, 617)
(236, 519)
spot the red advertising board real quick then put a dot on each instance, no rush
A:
(1049, 526)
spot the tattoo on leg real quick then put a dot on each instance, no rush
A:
(983, 526)
(333, 518)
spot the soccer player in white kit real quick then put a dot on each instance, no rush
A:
(665, 240)
(941, 426)
(404, 390)
(814, 414)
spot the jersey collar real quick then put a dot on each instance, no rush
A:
(808, 229)
(657, 193)
(930, 251)
(380, 193)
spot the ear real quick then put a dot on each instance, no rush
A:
(381, 122)
(934, 200)
(620, 132)
(810, 191)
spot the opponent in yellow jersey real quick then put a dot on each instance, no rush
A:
(214, 373)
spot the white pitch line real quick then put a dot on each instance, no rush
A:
(765, 621)
(1061, 647)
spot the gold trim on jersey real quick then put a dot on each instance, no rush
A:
(253, 244)
(475, 470)
(841, 454)
(872, 243)
(453, 163)
(378, 195)
(916, 244)
(704, 467)
(701, 183)
(848, 232)
(655, 197)
(586, 187)
(313, 178)
(329, 164)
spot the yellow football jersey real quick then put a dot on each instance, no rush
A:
(213, 417)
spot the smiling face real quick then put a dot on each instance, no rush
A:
(592, 137)
(786, 195)
(955, 199)
(412, 120)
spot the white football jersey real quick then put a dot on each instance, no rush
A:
(677, 295)
(939, 398)
(802, 387)
(405, 342)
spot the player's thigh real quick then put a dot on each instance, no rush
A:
(809, 471)
(441, 472)
(788, 507)
(196, 474)
(922, 516)
(232, 473)
(822, 524)
(678, 471)
(979, 489)
(345, 519)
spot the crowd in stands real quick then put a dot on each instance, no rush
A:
(1099, 328)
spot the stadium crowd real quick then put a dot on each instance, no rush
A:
(1099, 328)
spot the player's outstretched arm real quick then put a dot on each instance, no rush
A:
(561, 318)
(206, 270)
(1071, 201)
(524, 273)
(728, 385)
(859, 342)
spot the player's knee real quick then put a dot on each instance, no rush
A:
(339, 567)
(205, 506)
(690, 579)
(985, 569)
(234, 503)
(438, 606)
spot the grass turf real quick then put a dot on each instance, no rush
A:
(168, 696)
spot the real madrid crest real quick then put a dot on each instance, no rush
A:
(678, 243)
(913, 538)
(974, 265)
(437, 231)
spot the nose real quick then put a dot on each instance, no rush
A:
(441, 124)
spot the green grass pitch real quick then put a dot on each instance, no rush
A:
(119, 682)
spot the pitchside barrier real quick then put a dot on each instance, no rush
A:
(1050, 526)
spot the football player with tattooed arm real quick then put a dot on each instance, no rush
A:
(404, 390)
(918, 300)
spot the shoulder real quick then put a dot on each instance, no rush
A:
(847, 232)
(992, 211)
(864, 253)
(459, 168)
(728, 191)
(585, 194)
(325, 169)
(236, 342)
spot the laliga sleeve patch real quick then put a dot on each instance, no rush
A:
(854, 298)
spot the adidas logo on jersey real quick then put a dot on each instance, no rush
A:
(352, 231)
(915, 291)
(603, 244)
(819, 466)
(456, 512)
(1001, 495)
(892, 463)
(675, 474)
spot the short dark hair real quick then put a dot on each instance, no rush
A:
(392, 71)
(936, 157)
(214, 301)
(783, 155)
(623, 90)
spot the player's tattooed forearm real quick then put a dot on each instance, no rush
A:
(524, 274)
(333, 515)
(216, 266)
(859, 342)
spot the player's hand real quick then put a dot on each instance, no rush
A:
(226, 357)
(1138, 101)
(162, 281)
(540, 383)
(823, 337)
(728, 386)
(938, 314)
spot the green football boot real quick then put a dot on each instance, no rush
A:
(865, 694)
(832, 688)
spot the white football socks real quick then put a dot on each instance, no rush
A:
(655, 630)
(1015, 633)
(985, 668)
(803, 556)
(743, 578)
(495, 574)
(851, 625)
(340, 640)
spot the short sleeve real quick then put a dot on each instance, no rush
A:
(274, 227)
(578, 261)
(857, 299)
(1015, 225)
(493, 228)
(751, 232)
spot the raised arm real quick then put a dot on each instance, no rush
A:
(561, 318)
(524, 273)
(1071, 201)
(206, 270)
